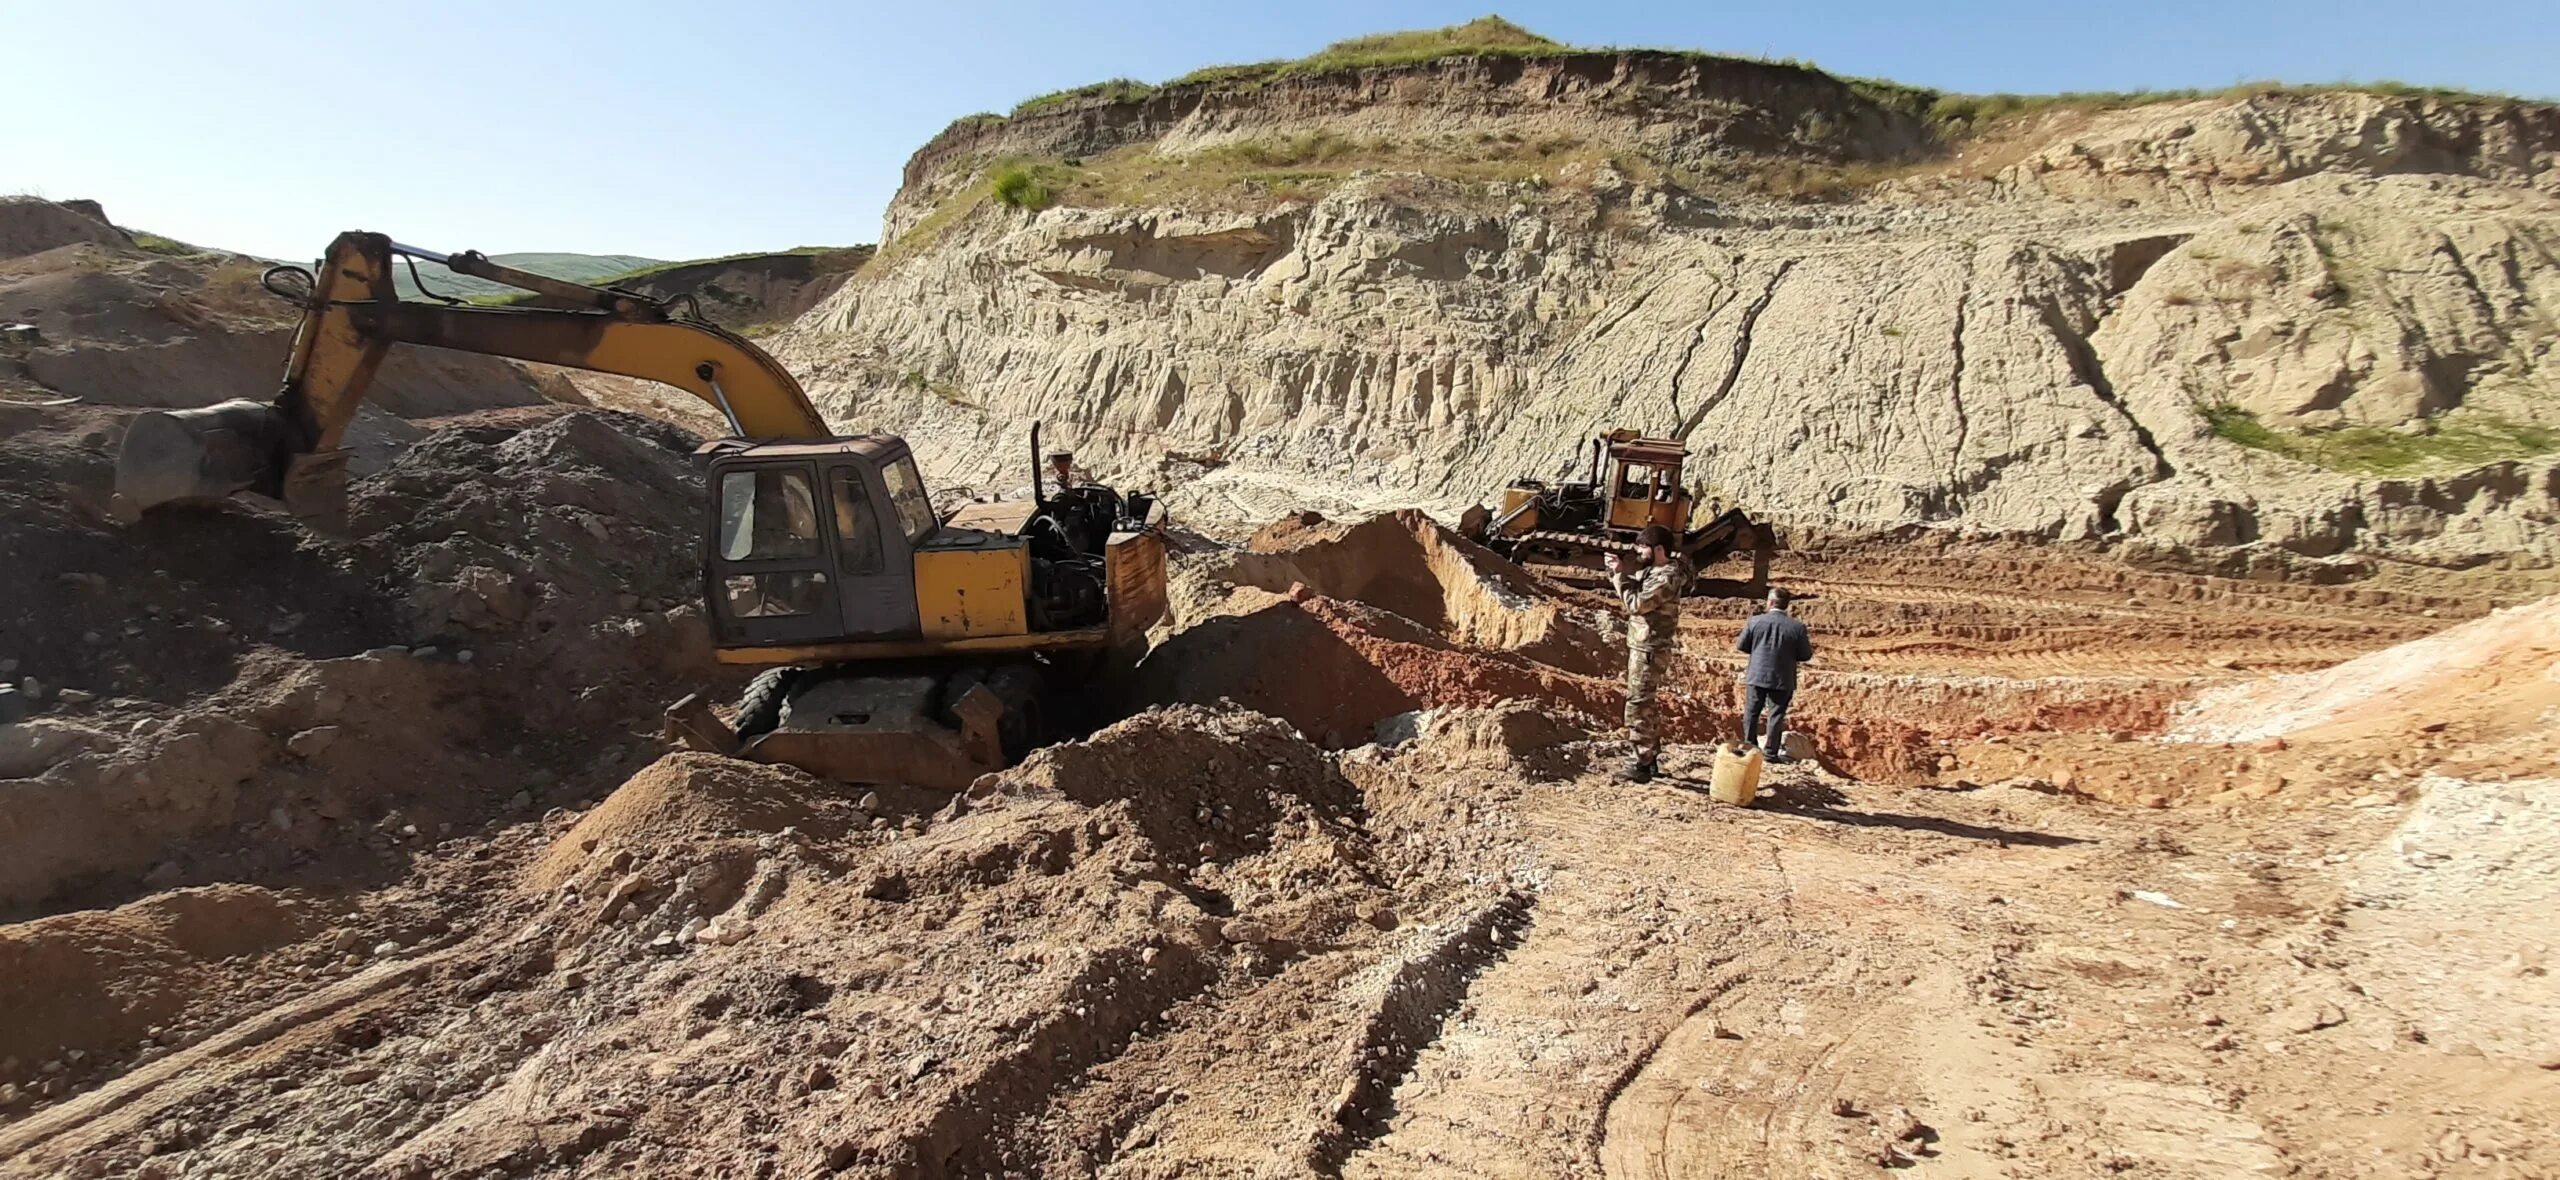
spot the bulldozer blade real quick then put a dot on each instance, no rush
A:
(882, 729)
(691, 725)
(184, 456)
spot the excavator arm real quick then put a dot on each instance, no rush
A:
(291, 448)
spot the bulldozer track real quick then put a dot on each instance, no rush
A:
(1576, 540)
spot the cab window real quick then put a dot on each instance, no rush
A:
(906, 494)
(857, 526)
(773, 595)
(767, 513)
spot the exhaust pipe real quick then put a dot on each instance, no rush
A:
(1039, 495)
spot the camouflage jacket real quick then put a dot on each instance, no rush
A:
(1652, 598)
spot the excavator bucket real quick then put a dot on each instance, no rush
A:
(180, 456)
(207, 454)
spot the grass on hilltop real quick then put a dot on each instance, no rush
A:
(1115, 90)
(1262, 172)
(1492, 36)
(1487, 36)
(830, 260)
(172, 247)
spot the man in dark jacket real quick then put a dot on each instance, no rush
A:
(1776, 643)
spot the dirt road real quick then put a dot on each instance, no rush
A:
(1995, 983)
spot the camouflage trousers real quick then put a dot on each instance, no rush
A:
(1644, 678)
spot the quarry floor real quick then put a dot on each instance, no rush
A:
(1996, 982)
(1352, 893)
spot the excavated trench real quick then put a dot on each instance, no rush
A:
(1398, 614)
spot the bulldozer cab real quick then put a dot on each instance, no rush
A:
(814, 542)
(1644, 483)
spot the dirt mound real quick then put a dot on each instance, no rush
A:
(227, 694)
(98, 979)
(687, 799)
(2500, 672)
(294, 763)
(30, 225)
(505, 529)
(121, 326)
(1198, 783)
(1530, 737)
(1406, 563)
(996, 988)
(1335, 669)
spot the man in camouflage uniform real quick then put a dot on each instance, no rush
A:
(1651, 593)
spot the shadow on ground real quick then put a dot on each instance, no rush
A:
(1824, 802)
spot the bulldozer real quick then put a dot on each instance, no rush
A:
(895, 645)
(1570, 528)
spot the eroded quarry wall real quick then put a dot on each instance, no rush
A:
(2063, 330)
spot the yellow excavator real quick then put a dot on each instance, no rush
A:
(897, 647)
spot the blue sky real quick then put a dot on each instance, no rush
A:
(695, 127)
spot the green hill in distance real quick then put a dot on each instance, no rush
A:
(577, 268)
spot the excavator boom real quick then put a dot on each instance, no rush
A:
(352, 315)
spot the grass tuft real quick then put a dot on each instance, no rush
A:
(916, 381)
(1031, 187)
(2442, 443)
(159, 245)
(1485, 36)
(2232, 424)
(1115, 90)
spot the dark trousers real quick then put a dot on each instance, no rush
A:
(1775, 700)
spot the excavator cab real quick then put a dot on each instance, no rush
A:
(813, 542)
(899, 646)
(830, 549)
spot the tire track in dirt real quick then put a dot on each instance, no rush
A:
(137, 1099)
(1521, 1076)
(1407, 1019)
(1103, 1007)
